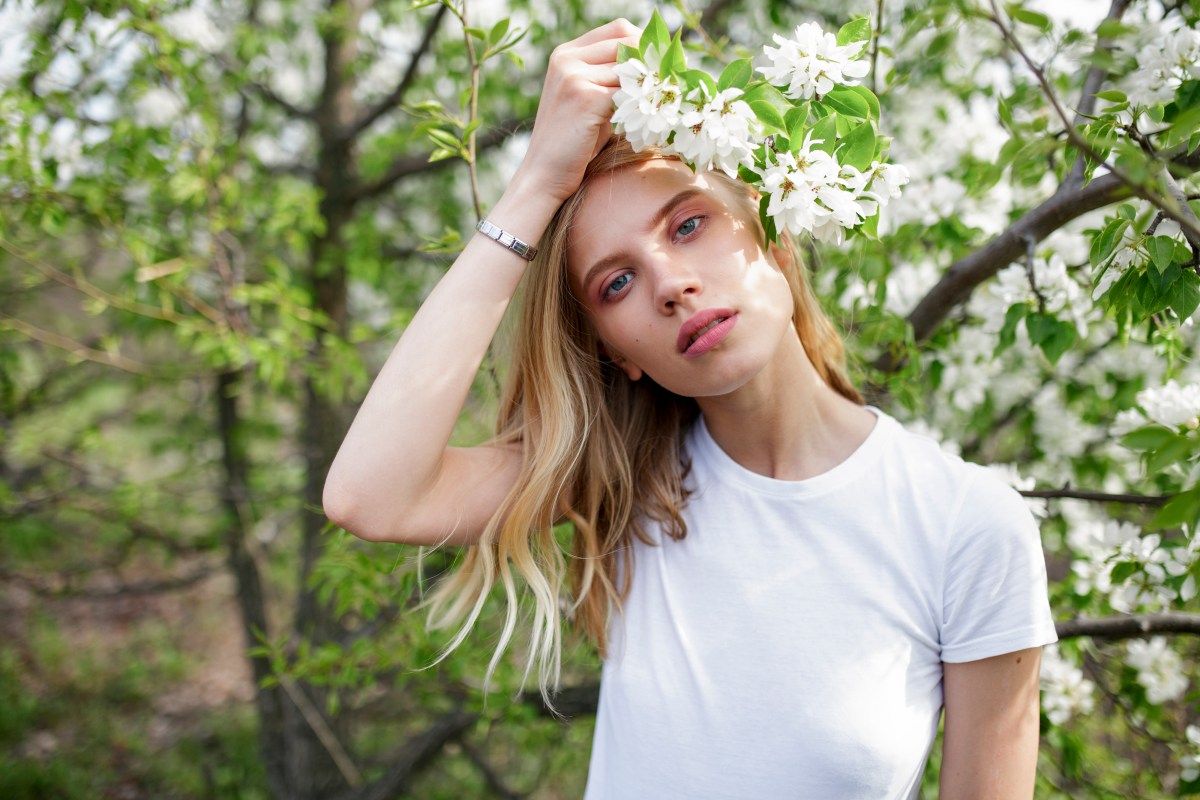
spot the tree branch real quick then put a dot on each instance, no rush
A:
(1168, 205)
(77, 349)
(324, 733)
(1129, 627)
(1096, 77)
(1099, 497)
(417, 752)
(397, 95)
(968, 272)
(407, 166)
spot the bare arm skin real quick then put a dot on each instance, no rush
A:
(395, 478)
(991, 732)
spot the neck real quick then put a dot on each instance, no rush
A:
(787, 423)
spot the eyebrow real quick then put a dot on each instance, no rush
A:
(656, 220)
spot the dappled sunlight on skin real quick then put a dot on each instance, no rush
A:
(702, 254)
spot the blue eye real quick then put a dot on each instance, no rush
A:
(618, 283)
(688, 227)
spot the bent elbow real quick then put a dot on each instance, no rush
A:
(341, 509)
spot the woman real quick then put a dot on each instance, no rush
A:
(785, 585)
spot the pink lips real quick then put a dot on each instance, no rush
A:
(708, 327)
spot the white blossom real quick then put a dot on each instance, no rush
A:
(720, 132)
(1172, 405)
(1160, 669)
(194, 25)
(1163, 65)
(158, 107)
(1065, 691)
(648, 107)
(1055, 289)
(1190, 762)
(812, 63)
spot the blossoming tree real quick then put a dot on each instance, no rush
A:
(248, 199)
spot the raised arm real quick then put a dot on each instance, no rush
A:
(395, 478)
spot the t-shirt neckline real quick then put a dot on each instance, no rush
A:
(705, 448)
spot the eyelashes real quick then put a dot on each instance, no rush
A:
(685, 231)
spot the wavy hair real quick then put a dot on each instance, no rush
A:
(597, 450)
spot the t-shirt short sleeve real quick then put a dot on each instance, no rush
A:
(995, 598)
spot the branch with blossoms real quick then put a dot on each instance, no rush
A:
(804, 134)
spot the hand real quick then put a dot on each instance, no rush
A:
(575, 110)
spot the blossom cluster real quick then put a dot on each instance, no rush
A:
(779, 133)
(1065, 692)
(1163, 65)
(1159, 669)
(1172, 405)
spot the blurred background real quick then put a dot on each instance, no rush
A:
(217, 216)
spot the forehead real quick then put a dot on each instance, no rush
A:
(622, 203)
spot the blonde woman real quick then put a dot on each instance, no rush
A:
(785, 585)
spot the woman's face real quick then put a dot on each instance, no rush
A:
(675, 280)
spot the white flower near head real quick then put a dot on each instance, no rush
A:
(1065, 691)
(1172, 405)
(1160, 669)
(157, 108)
(811, 63)
(720, 132)
(807, 194)
(648, 107)
(886, 180)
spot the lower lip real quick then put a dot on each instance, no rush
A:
(711, 338)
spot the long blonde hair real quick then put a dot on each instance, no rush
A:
(598, 450)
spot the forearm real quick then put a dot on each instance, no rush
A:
(392, 451)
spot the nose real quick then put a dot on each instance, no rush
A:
(675, 280)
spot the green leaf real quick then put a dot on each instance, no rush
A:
(478, 33)
(498, 31)
(1185, 297)
(1008, 332)
(824, 133)
(1106, 242)
(856, 30)
(845, 101)
(1151, 437)
(1176, 451)
(1124, 570)
(858, 148)
(625, 53)
(1113, 29)
(768, 115)
(794, 122)
(1161, 250)
(694, 78)
(675, 61)
(655, 35)
(736, 75)
(1029, 17)
(867, 95)
(766, 220)
(1113, 96)
(1181, 509)
(1053, 336)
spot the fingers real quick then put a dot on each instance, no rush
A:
(604, 52)
(617, 29)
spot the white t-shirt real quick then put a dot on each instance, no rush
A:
(791, 645)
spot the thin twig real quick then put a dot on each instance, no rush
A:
(472, 112)
(324, 733)
(875, 47)
(1129, 627)
(77, 349)
(1098, 497)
